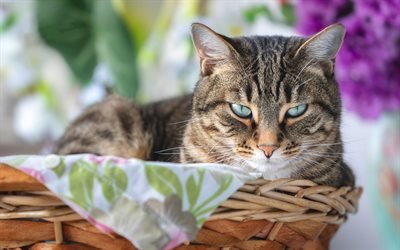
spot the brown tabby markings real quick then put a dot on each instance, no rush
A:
(268, 75)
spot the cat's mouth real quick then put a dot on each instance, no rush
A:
(266, 163)
(272, 165)
(271, 169)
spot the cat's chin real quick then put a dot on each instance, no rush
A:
(271, 169)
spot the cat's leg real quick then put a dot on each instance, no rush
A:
(112, 127)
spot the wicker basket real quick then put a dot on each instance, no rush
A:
(280, 214)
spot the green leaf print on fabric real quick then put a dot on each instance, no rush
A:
(81, 180)
(114, 182)
(201, 209)
(205, 211)
(163, 180)
(60, 169)
(193, 188)
(16, 161)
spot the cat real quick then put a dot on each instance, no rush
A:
(264, 103)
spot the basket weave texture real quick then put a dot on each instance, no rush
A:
(263, 214)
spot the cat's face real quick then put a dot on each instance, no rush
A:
(264, 102)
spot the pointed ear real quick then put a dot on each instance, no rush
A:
(325, 44)
(211, 47)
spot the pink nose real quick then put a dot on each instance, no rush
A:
(268, 149)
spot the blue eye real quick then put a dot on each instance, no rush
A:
(240, 110)
(296, 111)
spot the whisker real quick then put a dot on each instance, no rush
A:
(190, 147)
(184, 121)
(322, 144)
(297, 87)
(322, 152)
(327, 157)
(305, 66)
(311, 161)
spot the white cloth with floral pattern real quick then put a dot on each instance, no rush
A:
(155, 205)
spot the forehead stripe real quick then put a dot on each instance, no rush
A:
(257, 83)
(253, 43)
(249, 92)
(288, 92)
(282, 72)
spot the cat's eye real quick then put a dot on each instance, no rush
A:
(296, 111)
(240, 110)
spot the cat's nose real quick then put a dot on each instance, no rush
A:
(268, 149)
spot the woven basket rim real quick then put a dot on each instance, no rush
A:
(284, 200)
(289, 200)
(279, 213)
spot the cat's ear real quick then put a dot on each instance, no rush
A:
(211, 47)
(324, 45)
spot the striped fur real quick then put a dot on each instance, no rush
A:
(267, 74)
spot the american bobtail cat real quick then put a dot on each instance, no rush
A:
(265, 103)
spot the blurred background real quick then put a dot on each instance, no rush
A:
(57, 57)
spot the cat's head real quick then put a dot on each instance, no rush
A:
(264, 102)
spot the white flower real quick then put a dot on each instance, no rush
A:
(33, 121)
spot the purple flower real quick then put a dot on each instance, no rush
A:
(314, 15)
(368, 63)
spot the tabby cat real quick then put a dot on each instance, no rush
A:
(264, 103)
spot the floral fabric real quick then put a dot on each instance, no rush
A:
(154, 205)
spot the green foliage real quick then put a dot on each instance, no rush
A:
(66, 25)
(45, 90)
(251, 13)
(8, 22)
(115, 48)
(287, 10)
(86, 32)
(164, 180)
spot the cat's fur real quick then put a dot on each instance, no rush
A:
(268, 74)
